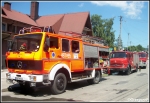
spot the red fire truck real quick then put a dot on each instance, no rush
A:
(143, 58)
(123, 61)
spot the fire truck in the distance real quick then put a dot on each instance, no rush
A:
(123, 61)
(39, 57)
(143, 56)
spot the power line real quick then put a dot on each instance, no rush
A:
(132, 35)
(137, 28)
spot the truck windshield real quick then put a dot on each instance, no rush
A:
(118, 55)
(28, 42)
(141, 55)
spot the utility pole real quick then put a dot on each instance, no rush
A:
(119, 44)
(128, 42)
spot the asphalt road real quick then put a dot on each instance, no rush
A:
(131, 88)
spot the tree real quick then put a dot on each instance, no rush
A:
(136, 48)
(139, 48)
(103, 28)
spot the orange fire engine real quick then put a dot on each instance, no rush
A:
(38, 58)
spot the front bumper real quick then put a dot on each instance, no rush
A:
(30, 80)
(112, 69)
(142, 64)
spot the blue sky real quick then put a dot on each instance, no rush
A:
(134, 13)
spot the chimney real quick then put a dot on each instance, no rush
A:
(34, 10)
(7, 5)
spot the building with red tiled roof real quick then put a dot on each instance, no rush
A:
(13, 21)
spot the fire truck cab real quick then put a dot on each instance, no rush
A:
(123, 61)
(40, 58)
(143, 56)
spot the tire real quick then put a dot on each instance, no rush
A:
(59, 84)
(128, 72)
(96, 79)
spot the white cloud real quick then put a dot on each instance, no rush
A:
(81, 5)
(131, 9)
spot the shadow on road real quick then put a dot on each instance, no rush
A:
(122, 73)
(8, 98)
(46, 91)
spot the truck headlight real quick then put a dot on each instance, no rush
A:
(32, 78)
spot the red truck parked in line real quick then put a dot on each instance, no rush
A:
(143, 56)
(123, 61)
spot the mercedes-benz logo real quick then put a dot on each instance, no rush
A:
(19, 64)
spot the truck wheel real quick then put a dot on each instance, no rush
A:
(96, 79)
(59, 84)
(128, 71)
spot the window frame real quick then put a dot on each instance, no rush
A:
(68, 45)
(78, 46)
(14, 30)
(5, 26)
(58, 44)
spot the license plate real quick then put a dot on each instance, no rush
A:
(19, 78)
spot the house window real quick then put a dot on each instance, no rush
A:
(14, 29)
(84, 32)
(9, 26)
(4, 26)
(18, 29)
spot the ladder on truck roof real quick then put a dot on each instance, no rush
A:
(36, 29)
(30, 29)
(72, 34)
(48, 29)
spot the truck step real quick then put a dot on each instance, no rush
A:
(81, 79)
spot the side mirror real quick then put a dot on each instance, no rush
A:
(47, 44)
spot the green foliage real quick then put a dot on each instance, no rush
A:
(136, 48)
(103, 28)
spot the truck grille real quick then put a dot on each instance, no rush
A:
(25, 64)
(116, 65)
